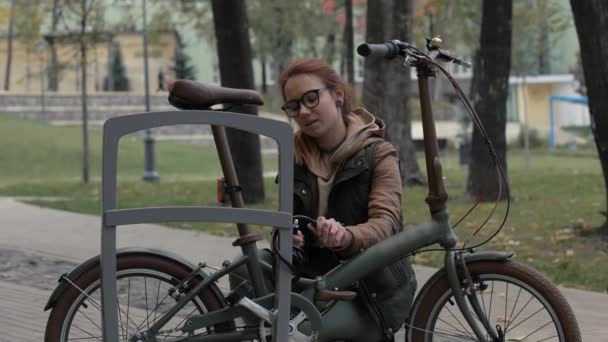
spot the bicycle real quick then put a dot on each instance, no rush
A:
(456, 304)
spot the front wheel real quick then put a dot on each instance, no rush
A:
(143, 284)
(518, 300)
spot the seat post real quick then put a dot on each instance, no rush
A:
(225, 156)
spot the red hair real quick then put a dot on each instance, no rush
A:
(321, 69)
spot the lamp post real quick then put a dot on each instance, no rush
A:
(150, 175)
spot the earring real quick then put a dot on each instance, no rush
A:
(339, 103)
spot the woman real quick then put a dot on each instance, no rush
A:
(347, 177)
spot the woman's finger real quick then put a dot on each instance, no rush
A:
(298, 239)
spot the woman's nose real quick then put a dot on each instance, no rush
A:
(303, 110)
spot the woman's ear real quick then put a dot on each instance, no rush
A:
(339, 95)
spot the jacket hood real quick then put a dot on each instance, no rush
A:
(362, 129)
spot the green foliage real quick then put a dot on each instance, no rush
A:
(28, 21)
(457, 22)
(283, 28)
(536, 27)
(182, 66)
(120, 82)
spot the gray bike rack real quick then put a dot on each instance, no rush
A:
(117, 127)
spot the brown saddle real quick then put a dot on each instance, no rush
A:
(186, 94)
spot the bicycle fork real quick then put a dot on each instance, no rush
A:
(496, 335)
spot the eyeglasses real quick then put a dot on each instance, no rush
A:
(309, 99)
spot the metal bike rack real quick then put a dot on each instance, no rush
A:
(117, 127)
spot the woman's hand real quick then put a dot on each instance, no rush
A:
(331, 233)
(298, 239)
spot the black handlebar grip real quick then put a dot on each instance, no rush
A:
(386, 50)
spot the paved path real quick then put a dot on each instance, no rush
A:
(59, 235)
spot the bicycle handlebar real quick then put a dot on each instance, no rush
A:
(395, 48)
(388, 50)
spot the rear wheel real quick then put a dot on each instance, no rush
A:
(520, 301)
(143, 284)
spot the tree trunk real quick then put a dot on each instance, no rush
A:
(386, 86)
(590, 18)
(53, 73)
(490, 99)
(330, 48)
(9, 52)
(83, 96)
(544, 66)
(349, 42)
(264, 81)
(83, 100)
(234, 54)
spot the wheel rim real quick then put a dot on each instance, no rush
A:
(509, 302)
(143, 298)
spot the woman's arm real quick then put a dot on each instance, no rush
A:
(384, 207)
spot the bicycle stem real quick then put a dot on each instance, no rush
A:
(437, 196)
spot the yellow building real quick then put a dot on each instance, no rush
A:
(531, 97)
(30, 62)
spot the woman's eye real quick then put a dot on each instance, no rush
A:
(310, 98)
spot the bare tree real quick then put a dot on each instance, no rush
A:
(87, 16)
(386, 86)
(590, 18)
(236, 71)
(491, 77)
(53, 72)
(349, 43)
(9, 51)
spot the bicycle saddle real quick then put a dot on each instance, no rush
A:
(186, 94)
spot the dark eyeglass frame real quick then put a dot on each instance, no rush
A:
(300, 102)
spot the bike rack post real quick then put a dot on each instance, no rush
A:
(117, 127)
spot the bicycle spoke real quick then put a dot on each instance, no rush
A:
(128, 328)
(451, 336)
(463, 333)
(489, 318)
(146, 296)
(535, 331)
(548, 338)
(122, 327)
(86, 332)
(506, 304)
(459, 322)
(92, 301)
(85, 338)
(483, 306)
(90, 320)
(527, 318)
(128, 299)
(512, 311)
(157, 295)
(519, 313)
(154, 310)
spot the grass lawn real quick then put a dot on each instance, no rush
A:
(561, 193)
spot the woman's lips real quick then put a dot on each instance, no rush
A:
(308, 124)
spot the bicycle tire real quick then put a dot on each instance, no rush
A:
(168, 273)
(431, 317)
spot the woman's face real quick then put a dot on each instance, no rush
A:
(315, 118)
